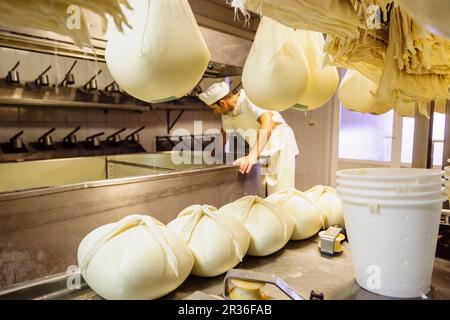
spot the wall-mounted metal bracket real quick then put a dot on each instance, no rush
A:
(171, 125)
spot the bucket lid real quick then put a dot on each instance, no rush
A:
(388, 174)
(384, 185)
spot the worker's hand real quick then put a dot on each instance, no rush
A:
(245, 163)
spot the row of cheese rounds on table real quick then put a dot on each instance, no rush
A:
(139, 257)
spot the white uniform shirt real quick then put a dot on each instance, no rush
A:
(244, 120)
(251, 112)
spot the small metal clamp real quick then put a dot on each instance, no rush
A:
(328, 239)
(259, 277)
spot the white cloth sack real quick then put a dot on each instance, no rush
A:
(330, 205)
(136, 258)
(307, 218)
(327, 16)
(275, 73)
(269, 225)
(357, 93)
(323, 81)
(163, 57)
(217, 241)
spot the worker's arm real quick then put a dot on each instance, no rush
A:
(266, 125)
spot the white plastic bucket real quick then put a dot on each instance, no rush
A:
(391, 186)
(395, 175)
(393, 244)
(390, 195)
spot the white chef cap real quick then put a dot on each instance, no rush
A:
(215, 92)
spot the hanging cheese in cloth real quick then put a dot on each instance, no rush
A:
(136, 258)
(269, 225)
(327, 16)
(431, 14)
(64, 17)
(357, 93)
(330, 205)
(323, 80)
(275, 73)
(306, 215)
(163, 56)
(217, 241)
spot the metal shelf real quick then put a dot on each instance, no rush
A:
(24, 102)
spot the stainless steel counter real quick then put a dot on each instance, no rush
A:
(40, 229)
(299, 264)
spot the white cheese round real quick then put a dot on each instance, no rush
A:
(137, 257)
(307, 219)
(269, 225)
(217, 241)
(330, 205)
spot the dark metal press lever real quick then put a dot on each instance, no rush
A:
(71, 138)
(134, 136)
(42, 79)
(115, 137)
(13, 74)
(92, 82)
(16, 141)
(46, 138)
(112, 87)
(94, 139)
(69, 78)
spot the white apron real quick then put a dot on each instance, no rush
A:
(281, 150)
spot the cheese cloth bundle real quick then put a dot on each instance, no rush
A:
(269, 225)
(137, 257)
(365, 100)
(409, 65)
(276, 72)
(431, 14)
(326, 16)
(323, 80)
(305, 212)
(163, 57)
(217, 241)
(417, 63)
(329, 204)
(54, 16)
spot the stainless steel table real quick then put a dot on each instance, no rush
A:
(299, 264)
